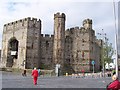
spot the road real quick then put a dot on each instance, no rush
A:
(15, 80)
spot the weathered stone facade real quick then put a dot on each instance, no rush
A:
(82, 47)
(22, 39)
(73, 49)
(59, 40)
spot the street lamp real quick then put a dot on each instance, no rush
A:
(103, 62)
(116, 39)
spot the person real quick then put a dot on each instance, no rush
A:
(113, 72)
(39, 72)
(83, 72)
(115, 85)
(35, 76)
(24, 72)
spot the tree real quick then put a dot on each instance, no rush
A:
(108, 51)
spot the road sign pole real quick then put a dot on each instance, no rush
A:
(93, 63)
(93, 68)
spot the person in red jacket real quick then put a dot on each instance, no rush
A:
(115, 85)
(35, 76)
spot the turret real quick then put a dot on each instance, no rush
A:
(87, 24)
(59, 39)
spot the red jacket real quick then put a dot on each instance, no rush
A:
(115, 85)
(35, 73)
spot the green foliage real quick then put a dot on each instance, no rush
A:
(107, 52)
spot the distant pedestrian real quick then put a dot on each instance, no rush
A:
(115, 85)
(39, 72)
(113, 72)
(35, 76)
(83, 72)
(24, 72)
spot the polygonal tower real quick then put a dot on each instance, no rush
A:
(59, 39)
(20, 43)
(87, 24)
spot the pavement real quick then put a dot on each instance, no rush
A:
(16, 80)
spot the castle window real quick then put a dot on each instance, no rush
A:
(34, 25)
(32, 46)
(47, 43)
(83, 40)
(22, 23)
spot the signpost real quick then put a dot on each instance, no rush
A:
(93, 63)
(57, 70)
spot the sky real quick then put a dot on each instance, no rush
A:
(118, 29)
(100, 11)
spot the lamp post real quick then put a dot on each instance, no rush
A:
(102, 52)
(116, 53)
(116, 39)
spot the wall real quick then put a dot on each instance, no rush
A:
(46, 49)
(33, 43)
(59, 40)
(74, 48)
(11, 30)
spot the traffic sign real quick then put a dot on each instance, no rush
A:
(93, 62)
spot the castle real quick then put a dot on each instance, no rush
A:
(23, 45)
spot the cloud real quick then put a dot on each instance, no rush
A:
(76, 11)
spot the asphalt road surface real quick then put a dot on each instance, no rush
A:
(16, 80)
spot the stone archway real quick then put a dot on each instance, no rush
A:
(12, 51)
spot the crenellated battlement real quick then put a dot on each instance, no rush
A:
(58, 15)
(34, 19)
(69, 47)
(87, 21)
(73, 28)
(22, 23)
(87, 24)
(22, 20)
(81, 28)
(47, 35)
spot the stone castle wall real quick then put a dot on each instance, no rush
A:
(21, 30)
(33, 43)
(46, 49)
(80, 42)
(73, 49)
(11, 30)
(59, 40)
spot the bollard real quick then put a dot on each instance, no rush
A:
(66, 74)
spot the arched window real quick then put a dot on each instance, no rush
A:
(13, 47)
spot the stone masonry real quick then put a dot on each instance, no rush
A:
(22, 36)
(23, 45)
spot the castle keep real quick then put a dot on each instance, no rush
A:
(23, 45)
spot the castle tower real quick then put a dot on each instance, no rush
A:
(59, 39)
(87, 24)
(20, 43)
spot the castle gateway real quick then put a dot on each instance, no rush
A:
(23, 45)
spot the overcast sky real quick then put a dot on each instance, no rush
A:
(101, 12)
